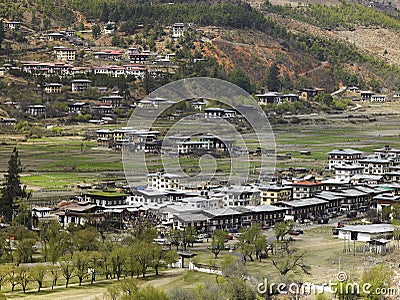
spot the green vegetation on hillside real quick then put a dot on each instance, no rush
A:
(346, 15)
(236, 15)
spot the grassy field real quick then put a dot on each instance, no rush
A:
(63, 162)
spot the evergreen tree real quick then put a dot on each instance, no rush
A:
(12, 188)
(273, 81)
(96, 31)
(240, 78)
(1, 32)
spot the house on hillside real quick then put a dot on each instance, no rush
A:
(36, 110)
(214, 112)
(178, 30)
(65, 54)
(108, 54)
(56, 36)
(12, 25)
(269, 98)
(378, 98)
(80, 85)
(136, 57)
(309, 94)
(53, 88)
(374, 165)
(366, 95)
(78, 107)
(114, 100)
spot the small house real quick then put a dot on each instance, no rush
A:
(36, 110)
(53, 88)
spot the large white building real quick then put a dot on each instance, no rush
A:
(80, 85)
(343, 156)
(374, 165)
(163, 181)
(345, 172)
(65, 54)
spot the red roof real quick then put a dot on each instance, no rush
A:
(306, 182)
(112, 52)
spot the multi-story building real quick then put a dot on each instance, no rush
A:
(374, 165)
(240, 195)
(306, 189)
(269, 98)
(113, 100)
(163, 181)
(345, 172)
(343, 156)
(53, 88)
(388, 153)
(65, 54)
(211, 113)
(80, 85)
(275, 193)
(178, 30)
(36, 110)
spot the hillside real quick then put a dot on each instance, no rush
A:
(249, 37)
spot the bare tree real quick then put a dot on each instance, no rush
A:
(290, 260)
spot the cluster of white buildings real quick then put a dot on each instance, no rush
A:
(208, 207)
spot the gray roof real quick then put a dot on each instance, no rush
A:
(345, 152)
(366, 177)
(348, 167)
(192, 217)
(328, 196)
(275, 188)
(367, 189)
(304, 202)
(265, 208)
(387, 196)
(151, 193)
(222, 212)
(350, 193)
(372, 228)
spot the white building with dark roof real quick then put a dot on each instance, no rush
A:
(388, 153)
(374, 165)
(366, 233)
(345, 172)
(163, 181)
(80, 85)
(343, 156)
(178, 30)
(269, 98)
(65, 54)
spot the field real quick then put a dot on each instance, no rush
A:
(54, 167)
(61, 163)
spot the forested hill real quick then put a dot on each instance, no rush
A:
(311, 45)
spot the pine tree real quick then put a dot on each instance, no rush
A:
(12, 188)
(96, 31)
(1, 32)
(273, 81)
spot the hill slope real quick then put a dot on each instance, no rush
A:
(251, 38)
